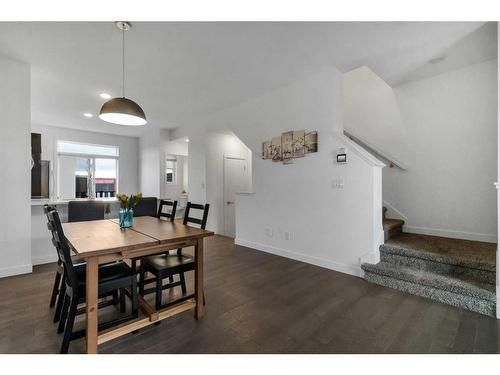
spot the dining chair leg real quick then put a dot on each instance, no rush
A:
(116, 297)
(122, 300)
(183, 282)
(60, 300)
(64, 314)
(69, 326)
(135, 302)
(141, 282)
(159, 290)
(55, 289)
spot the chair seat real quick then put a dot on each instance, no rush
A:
(169, 261)
(107, 272)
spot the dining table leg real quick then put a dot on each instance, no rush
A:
(92, 276)
(198, 280)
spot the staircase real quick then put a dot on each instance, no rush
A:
(457, 272)
(392, 227)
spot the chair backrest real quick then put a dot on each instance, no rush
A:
(194, 206)
(170, 215)
(63, 249)
(46, 210)
(85, 211)
(146, 207)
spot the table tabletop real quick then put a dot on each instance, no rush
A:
(101, 237)
(166, 231)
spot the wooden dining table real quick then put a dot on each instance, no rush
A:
(103, 241)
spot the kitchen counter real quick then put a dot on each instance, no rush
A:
(56, 202)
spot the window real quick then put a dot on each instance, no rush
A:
(86, 170)
(171, 170)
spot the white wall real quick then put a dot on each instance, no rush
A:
(329, 227)
(15, 188)
(217, 146)
(196, 132)
(371, 111)
(444, 129)
(42, 250)
(150, 162)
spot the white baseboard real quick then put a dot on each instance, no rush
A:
(370, 257)
(44, 259)
(16, 270)
(321, 262)
(453, 234)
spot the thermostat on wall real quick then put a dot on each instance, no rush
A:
(341, 156)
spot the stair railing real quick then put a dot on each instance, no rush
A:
(374, 150)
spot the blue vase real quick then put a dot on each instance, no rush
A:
(126, 217)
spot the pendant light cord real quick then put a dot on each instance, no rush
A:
(123, 62)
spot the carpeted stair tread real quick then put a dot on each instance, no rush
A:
(471, 254)
(432, 280)
(389, 224)
(462, 301)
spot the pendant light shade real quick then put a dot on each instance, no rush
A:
(122, 111)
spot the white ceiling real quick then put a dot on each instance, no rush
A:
(178, 70)
(477, 47)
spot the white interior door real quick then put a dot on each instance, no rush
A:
(235, 180)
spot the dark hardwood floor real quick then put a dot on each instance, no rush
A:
(260, 303)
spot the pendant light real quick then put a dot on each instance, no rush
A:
(123, 111)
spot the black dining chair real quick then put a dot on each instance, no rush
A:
(161, 213)
(77, 211)
(113, 277)
(85, 210)
(170, 264)
(167, 203)
(146, 207)
(59, 287)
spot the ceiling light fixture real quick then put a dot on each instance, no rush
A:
(105, 96)
(123, 111)
(88, 115)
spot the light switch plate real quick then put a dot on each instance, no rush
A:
(338, 183)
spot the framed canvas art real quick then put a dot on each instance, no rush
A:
(266, 150)
(287, 145)
(311, 141)
(298, 143)
(276, 149)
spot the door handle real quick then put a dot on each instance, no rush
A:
(228, 202)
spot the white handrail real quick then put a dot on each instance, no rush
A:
(375, 150)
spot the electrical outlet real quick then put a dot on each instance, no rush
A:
(338, 183)
(287, 236)
(269, 231)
